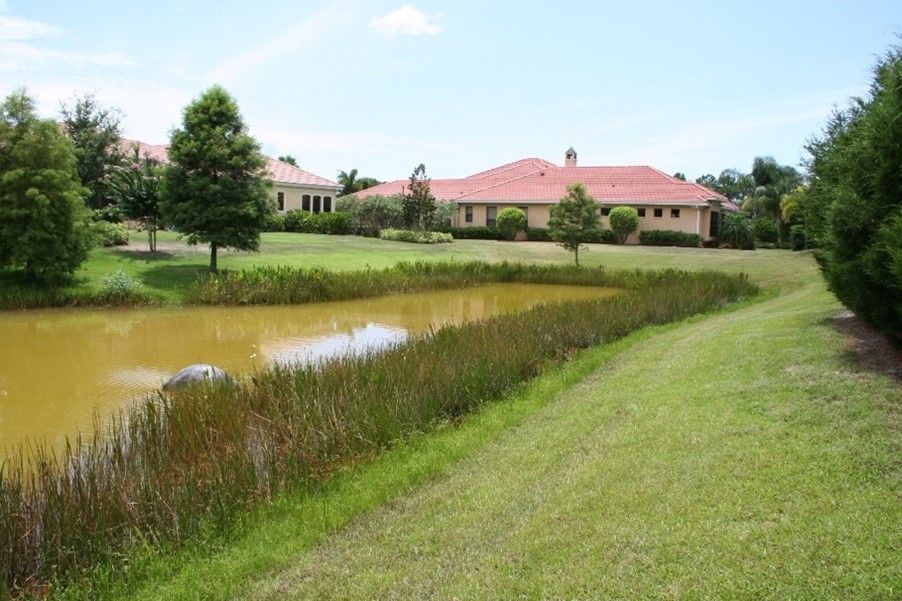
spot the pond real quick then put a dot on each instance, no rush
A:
(59, 367)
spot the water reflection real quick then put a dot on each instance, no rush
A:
(58, 366)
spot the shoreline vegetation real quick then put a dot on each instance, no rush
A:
(175, 467)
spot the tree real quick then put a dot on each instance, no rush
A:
(624, 221)
(419, 203)
(853, 207)
(680, 176)
(736, 230)
(94, 131)
(215, 188)
(574, 219)
(772, 182)
(351, 183)
(44, 224)
(287, 158)
(732, 183)
(510, 221)
(135, 187)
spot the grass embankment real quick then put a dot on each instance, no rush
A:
(176, 468)
(167, 276)
(739, 455)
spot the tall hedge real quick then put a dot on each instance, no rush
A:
(856, 185)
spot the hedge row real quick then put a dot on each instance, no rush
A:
(534, 234)
(305, 222)
(669, 238)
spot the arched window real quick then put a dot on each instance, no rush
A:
(327, 204)
(316, 203)
(305, 202)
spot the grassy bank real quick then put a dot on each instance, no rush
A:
(167, 277)
(176, 467)
(740, 455)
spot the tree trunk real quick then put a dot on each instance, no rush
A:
(576, 255)
(212, 257)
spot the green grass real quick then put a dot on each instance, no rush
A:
(741, 455)
(167, 275)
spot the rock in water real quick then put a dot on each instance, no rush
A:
(193, 374)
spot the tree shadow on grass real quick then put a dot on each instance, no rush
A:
(173, 278)
(145, 255)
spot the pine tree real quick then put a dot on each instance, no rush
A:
(215, 188)
(574, 219)
(44, 224)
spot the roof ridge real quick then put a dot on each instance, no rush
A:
(496, 184)
(539, 162)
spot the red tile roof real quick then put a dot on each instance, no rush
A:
(534, 180)
(279, 172)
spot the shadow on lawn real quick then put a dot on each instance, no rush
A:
(173, 278)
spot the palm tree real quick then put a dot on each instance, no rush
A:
(348, 181)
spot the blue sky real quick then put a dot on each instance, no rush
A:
(466, 85)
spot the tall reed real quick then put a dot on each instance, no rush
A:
(178, 464)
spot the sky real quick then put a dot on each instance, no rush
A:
(463, 86)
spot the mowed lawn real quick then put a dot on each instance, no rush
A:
(744, 454)
(166, 274)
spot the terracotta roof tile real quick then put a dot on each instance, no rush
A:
(279, 172)
(536, 180)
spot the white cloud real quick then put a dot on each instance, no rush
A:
(18, 56)
(14, 28)
(407, 20)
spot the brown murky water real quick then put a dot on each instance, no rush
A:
(57, 367)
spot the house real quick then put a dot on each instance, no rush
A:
(293, 188)
(535, 185)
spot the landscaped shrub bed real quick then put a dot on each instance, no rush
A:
(317, 223)
(476, 232)
(669, 238)
(418, 237)
(174, 467)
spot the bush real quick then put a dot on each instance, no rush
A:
(476, 232)
(336, 224)
(370, 216)
(319, 223)
(669, 238)
(765, 230)
(417, 236)
(120, 285)
(798, 240)
(443, 216)
(538, 234)
(510, 221)
(624, 221)
(109, 234)
(737, 231)
(297, 221)
(275, 223)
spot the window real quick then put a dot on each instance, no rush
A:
(675, 213)
(327, 204)
(316, 203)
(490, 214)
(659, 212)
(525, 212)
(641, 212)
(280, 200)
(605, 211)
(305, 202)
(468, 214)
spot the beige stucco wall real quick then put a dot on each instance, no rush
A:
(692, 220)
(294, 196)
(536, 215)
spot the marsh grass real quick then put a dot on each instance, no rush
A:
(290, 285)
(180, 465)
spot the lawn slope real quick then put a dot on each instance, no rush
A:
(734, 456)
(737, 455)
